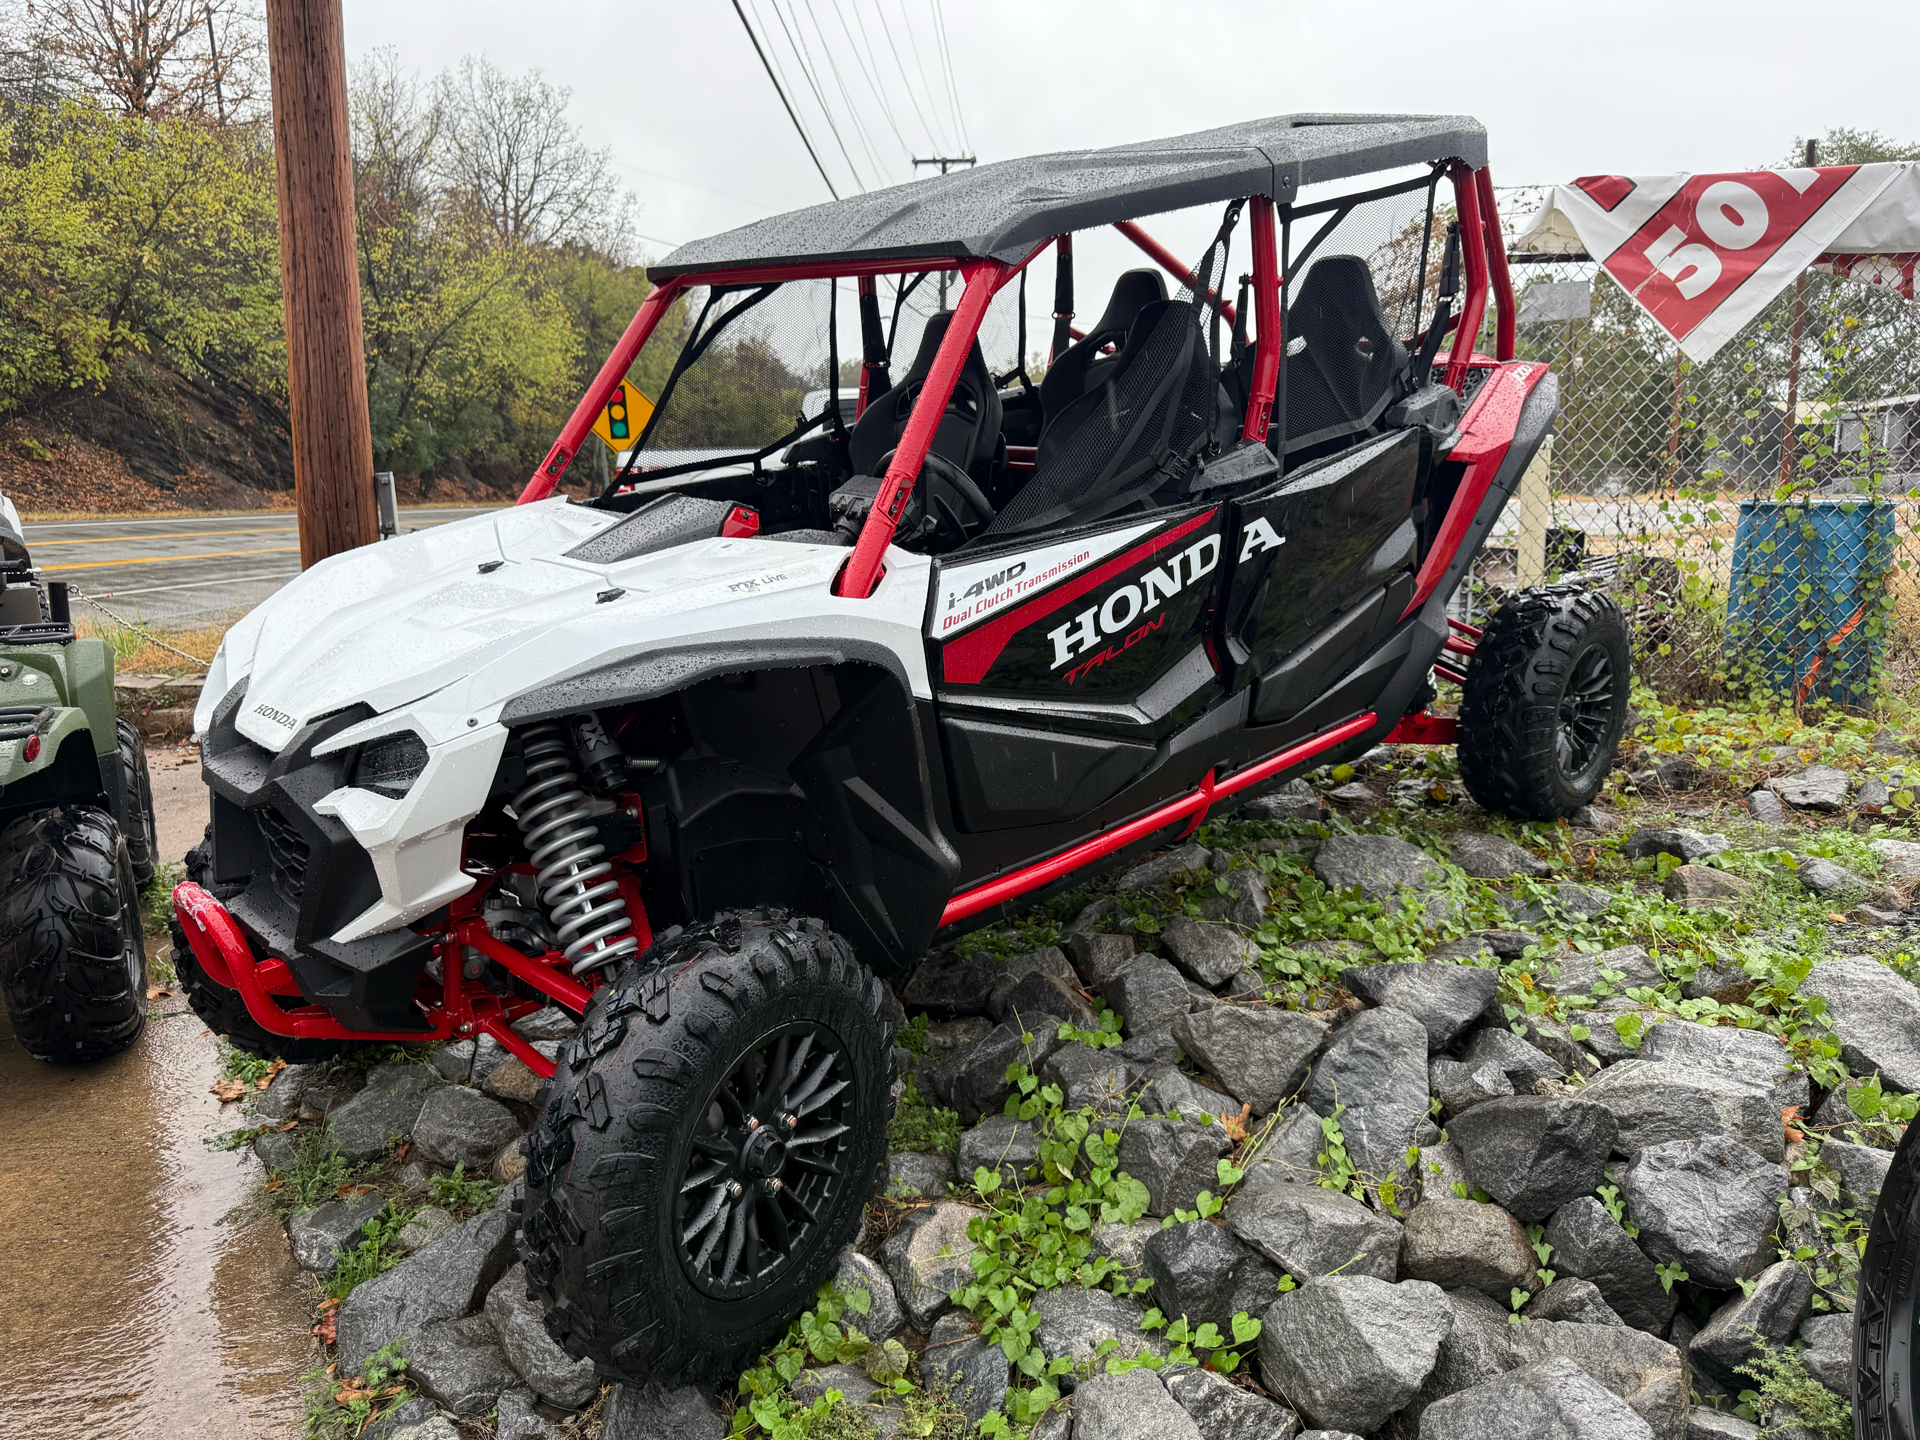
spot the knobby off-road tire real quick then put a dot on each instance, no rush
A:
(222, 1007)
(72, 961)
(143, 841)
(1545, 703)
(750, 1049)
(1885, 1345)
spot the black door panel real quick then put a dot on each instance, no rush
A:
(1310, 668)
(1013, 775)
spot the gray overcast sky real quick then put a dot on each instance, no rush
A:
(1634, 86)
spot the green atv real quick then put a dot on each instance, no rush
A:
(77, 837)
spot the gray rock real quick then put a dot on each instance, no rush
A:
(409, 1413)
(427, 1225)
(1818, 788)
(275, 1150)
(281, 1100)
(1572, 1299)
(1164, 1089)
(550, 1023)
(1445, 999)
(371, 1122)
(1829, 1356)
(1685, 845)
(1376, 1067)
(1593, 818)
(1766, 807)
(1074, 1322)
(320, 1234)
(1522, 1062)
(1378, 866)
(1458, 1244)
(319, 1098)
(1349, 1351)
(1157, 872)
(1099, 956)
(1202, 1273)
(510, 1163)
(1208, 952)
(955, 1034)
(1102, 1079)
(1245, 900)
(1875, 1015)
(1863, 1171)
(948, 983)
(1291, 1148)
(1223, 1410)
(515, 1418)
(999, 1143)
(685, 1414)
(444, 1279)
(1555, 1397)
(1295, 801)
(1175, 1160)
(1657, 1101)
(854, 1385)
(1506, 945)
(1825, 878)
(1703, 887)
(1580, 974)
(470, 1063)
(517, 1320)
(1308, 1230)
(1604, 1039)
(1459, 1086)
(1752, 1057)
(1260, 1055)
(975, 1080)
(514, 1080)
(1124, 1243)
(1707, 1424)
(858, 1273)
(1783, 1298)
(1037, 1002)
(1481, 1343)
(1591, 1244)
(1151, 1050)
(457, 1125)
(1149, 993)
(460, 1364)
(1047, 961)
(928, 1257)
(1132, 1404)
(1439, 1167)
(1644, 1371)
(1708, 1204)
(1565, 901)
(1495, 858)
(923, 1173)
(966, 1368)
(1710, 979)
(1535, 1153)
(1356, 795)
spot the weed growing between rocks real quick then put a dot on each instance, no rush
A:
(378, 1250)
(921, 1126)
(461, 1194)
(339, 1407)
(1786, 1400)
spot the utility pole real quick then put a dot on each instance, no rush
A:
(333, 459)
(944, 161)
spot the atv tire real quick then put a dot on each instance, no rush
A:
(73, 962)
(1885, 1345)
(1545, 703)
(223, 1008)
(143, 842)
(677, 1216)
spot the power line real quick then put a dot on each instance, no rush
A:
(953, 85)
(870, 70)
(785, 104)
(807, 73)
(880, 9)
(913, 43)
(853, 113)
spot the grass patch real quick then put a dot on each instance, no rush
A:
(337, 1407)
(921, 1126)
(319, 1173)
(156, 903)
(462, 1194)
(137, 654)
(377, 1250)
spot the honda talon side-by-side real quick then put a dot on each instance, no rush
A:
(798, 696)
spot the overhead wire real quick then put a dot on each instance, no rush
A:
(880, 9)
(813, 83)
(953, 85)
(785, 103)
(913, 43)
(854, 117)
(870, 70)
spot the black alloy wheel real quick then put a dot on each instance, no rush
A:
(707, 1146)
(766, 1162)
(1545, 702)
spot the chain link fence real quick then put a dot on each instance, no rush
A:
(1755, 514)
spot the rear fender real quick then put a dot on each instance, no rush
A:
(64, 767)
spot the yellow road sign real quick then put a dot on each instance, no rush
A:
(622, 419)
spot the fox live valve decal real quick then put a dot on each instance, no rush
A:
(622, 419)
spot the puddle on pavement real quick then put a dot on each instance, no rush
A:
(126, 1308)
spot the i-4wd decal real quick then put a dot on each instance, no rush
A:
(972, 592)
(1146, 604)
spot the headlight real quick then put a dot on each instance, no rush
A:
(391, 765)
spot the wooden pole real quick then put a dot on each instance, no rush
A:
(320, 281)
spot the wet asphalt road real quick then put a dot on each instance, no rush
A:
(185, 572)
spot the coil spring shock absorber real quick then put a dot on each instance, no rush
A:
(571, 870)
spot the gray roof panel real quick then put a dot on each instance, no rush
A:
(1005, 209)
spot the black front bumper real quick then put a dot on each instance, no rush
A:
(293, 878)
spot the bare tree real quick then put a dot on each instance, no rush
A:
(159, 58)
(397, 130)
(510, 148)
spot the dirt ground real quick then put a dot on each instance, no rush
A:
(179, 798)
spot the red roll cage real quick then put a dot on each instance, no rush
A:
(1484, 262)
